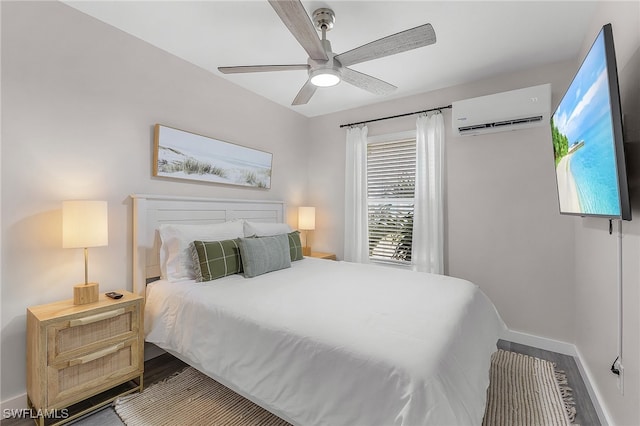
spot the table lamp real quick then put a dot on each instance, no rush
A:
(84, 225)
(306, 222)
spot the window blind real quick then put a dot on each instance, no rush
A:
(391, 170)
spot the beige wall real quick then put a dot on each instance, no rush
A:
(79, 99)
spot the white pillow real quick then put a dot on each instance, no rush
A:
(265, 229)
(176, 262)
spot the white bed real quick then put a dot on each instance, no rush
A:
(323, 342)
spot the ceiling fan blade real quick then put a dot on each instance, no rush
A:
(295, 17)
(423, 35)
(262, 68)
(366, 82)
(304, 94)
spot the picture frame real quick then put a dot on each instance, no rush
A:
(179, 154)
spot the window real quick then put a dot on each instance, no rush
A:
(391, 171)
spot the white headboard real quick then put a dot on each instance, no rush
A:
(150, 211)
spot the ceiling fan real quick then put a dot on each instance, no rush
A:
(325, 68)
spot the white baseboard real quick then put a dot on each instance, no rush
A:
(565, 349)
(16, 403)
(594, 394)
(540, 342)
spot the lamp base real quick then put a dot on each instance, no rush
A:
(306, 251)
(85, 293)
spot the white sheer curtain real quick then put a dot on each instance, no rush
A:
(427, 253)
(356, 232)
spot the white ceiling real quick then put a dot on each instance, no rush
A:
(475, 39)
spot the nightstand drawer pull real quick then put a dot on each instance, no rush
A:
(99, 354)
(96, 317)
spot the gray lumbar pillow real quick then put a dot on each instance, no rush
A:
(264, 254)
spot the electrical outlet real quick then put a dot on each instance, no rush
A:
(618, 370)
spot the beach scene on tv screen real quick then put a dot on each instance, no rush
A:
(583, 143)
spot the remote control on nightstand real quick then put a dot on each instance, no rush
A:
(113, 295)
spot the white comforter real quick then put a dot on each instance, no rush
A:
(337, 343)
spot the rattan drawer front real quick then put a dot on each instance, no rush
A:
(95, 371)
(67, 339)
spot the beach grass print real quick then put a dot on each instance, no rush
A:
(185, 155)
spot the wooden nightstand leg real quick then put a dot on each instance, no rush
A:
(38, 420)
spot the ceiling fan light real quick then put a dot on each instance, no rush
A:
(325, 78)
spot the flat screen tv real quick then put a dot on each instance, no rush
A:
(586, 130)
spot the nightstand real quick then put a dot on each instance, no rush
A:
(320, 255)
(75, 352)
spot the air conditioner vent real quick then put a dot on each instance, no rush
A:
(514, 122)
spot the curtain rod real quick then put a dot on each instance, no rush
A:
(394, 116)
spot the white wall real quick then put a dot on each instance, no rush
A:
(502, 227)
(79, 99)
(596, 297)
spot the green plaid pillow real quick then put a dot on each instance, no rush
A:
(215, 259)
(295, 246)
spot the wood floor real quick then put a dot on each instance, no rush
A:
(165, 365)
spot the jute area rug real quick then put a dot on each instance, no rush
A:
(523, 391)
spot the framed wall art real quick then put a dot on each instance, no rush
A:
(184, 155)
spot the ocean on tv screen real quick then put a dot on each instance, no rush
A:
(593, 168)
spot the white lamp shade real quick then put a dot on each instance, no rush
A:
(84, 224)
(306, 218)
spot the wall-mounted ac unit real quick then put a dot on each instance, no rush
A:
(513, 110)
